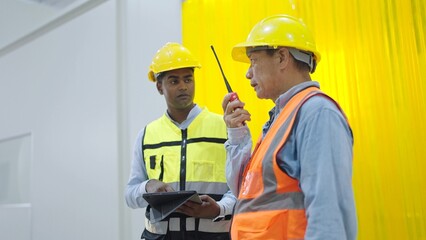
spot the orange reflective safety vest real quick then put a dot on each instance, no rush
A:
(270, 203)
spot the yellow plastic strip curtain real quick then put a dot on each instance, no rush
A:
(224, 23)
(373, 63)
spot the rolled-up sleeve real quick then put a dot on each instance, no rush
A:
(238, 152)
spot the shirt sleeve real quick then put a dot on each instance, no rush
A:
(324, 147)
(238, 152)
(138, 177)
(226, 205)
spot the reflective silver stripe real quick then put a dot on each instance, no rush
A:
(269, 199)
(174, 224)
(205, 225)
(203, 187)
(276, 201)
(269, 154)
(158, 227)
(268, 172)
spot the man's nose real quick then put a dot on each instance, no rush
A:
(249, 73)
(183, 86)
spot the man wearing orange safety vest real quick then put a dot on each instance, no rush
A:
(297, 182)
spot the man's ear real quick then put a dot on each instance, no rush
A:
(159, 87)
(284, 56)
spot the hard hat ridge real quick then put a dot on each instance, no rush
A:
(279, 31)
(170, 57)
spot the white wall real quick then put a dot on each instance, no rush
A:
(150, 24)
(76, 95)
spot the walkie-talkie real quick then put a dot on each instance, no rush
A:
(234, 95)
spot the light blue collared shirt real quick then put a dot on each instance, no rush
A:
(318, 153)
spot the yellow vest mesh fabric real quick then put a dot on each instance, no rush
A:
(205, 160)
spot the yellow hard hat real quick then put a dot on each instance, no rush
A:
(171, 56)
(276, 31)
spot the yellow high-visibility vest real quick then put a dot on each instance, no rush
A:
(189, 159)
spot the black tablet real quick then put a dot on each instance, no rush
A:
(164, 203)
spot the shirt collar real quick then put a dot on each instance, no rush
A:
(191, 116)
(283, 99)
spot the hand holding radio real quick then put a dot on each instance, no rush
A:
(234, 113)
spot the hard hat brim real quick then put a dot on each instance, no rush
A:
(239, 52)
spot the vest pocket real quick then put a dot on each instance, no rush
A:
(268, 225)
(202, 171)
(274, 224)
(153, 166)
(165, 167)
(252, 185)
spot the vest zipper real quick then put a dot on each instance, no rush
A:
(161, 168)
(183, 159)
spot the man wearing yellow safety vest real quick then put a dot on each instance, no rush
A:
(182, 150)
(297, 182)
